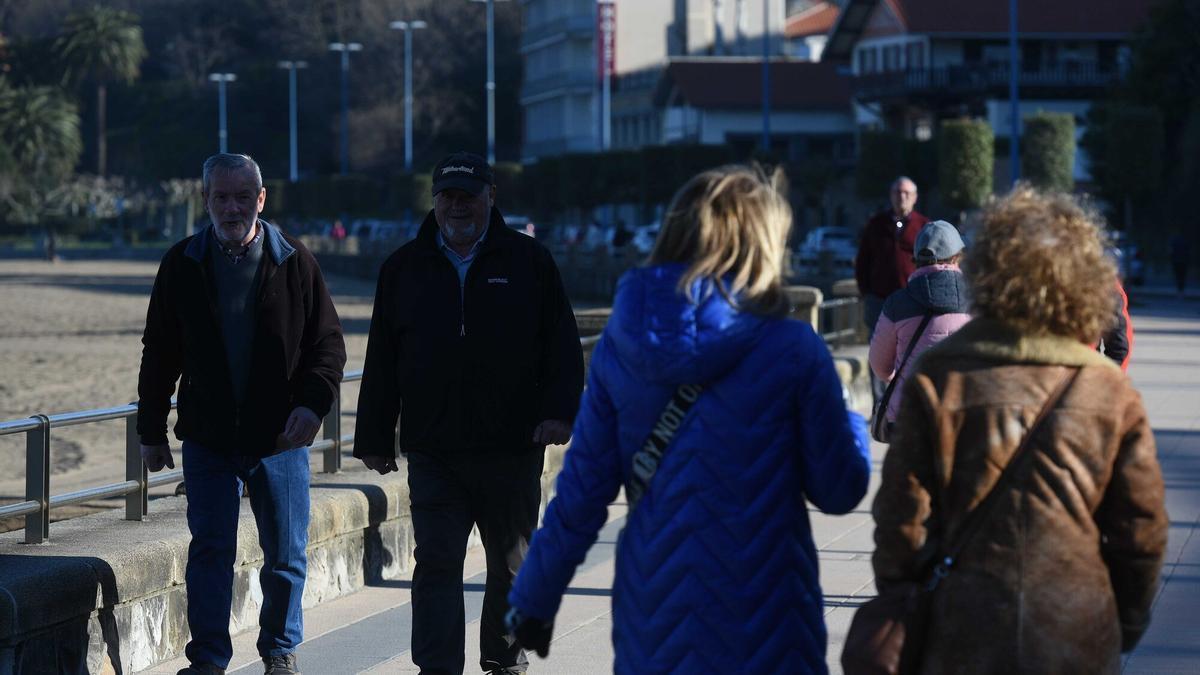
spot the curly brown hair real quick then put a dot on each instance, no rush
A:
(1038, 263)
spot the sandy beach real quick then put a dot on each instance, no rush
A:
(70, 339)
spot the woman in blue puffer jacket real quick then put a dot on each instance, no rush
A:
(716, 570)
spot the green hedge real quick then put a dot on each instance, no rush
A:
(1048, 151)
(884, 155)
(966, 155)
(351, 196)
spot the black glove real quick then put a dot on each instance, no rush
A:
(530, 633)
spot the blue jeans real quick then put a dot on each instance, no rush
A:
(278, 487)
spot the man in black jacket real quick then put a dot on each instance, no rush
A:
(473, 336)
(240, 316)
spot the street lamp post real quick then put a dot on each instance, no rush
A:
(222, 134)
(766, 78)
(408, 27)
(292, 67)
(345, 48)
(491, 79)
(1014, 101)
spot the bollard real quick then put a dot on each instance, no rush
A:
(136, 502)
(332, 431)
(37, 480)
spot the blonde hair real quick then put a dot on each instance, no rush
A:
(730, 226)
(1038, 263)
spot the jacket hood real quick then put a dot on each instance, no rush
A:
(994, 340)
(940, 288)
(667, 339)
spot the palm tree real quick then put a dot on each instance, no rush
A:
(39, 133)
(104, 45)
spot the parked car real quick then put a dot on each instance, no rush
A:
(644, 237)
(834, 246)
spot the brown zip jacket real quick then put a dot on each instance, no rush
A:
(1062, 576)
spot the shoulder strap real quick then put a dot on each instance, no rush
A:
(912, 344)
(977, 517)
(647, 459)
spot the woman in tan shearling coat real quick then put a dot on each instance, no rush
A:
(1061, 577)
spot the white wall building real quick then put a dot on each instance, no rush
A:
(561, 94)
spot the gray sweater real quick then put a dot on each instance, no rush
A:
(237, 290)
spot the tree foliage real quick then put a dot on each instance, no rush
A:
(173, 105)
(101, 44)
(885, 155)
(39, 129)
(966, 157)
(1048, 151)
(1145, 141)
(1125, 142)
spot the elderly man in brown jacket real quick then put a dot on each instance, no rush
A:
(1061, 575)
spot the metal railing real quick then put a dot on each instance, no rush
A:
(838, 320)
(980, 77)
(135, 488)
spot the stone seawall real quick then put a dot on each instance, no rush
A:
(107, 596)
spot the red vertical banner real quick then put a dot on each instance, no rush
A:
(606, 38)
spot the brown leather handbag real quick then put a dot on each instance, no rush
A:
(887, 634)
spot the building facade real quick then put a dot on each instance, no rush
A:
(917, 62)
(562, 95)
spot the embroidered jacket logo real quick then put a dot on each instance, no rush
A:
(498, 280)
(458, 169)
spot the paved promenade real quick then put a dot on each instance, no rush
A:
(368, 632)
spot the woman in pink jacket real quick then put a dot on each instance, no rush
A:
(936, 289)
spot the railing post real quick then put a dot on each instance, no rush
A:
(332, 428)
(136, 502)
(37, 480)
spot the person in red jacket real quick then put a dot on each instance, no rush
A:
(885, 252)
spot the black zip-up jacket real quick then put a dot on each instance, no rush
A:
(296, 358)
(475, 373)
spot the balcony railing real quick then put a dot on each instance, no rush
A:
(979, 79)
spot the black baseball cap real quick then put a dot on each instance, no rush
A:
(462, 170)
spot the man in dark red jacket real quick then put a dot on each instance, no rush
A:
(885, 252)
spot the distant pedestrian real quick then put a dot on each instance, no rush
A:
(337, 232)
(473, 337)
(700, 375)
(1180, 259)
(885, 257)
(1019, 443)
(241, 317)
(885, 251)
(929, 309)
